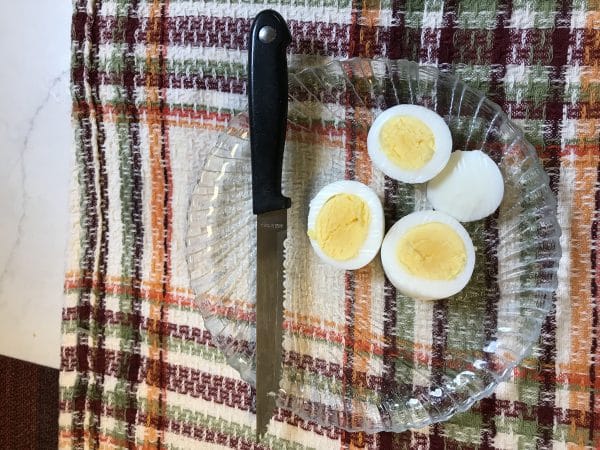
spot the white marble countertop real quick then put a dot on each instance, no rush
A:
(35, 146)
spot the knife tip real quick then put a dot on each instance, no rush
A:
(261, 429)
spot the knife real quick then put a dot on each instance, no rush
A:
(267, 106)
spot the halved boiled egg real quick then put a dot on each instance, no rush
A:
(345, 224)
(409, 143)
(470, 187)
(428, 255)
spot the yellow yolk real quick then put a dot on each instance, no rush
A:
(341, 227)
(433, 251)
(407, 142)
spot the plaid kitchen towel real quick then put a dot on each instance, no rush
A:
(152, 83)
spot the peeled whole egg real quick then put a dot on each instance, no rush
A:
(469, 188)
(428, 255)
(345, 224)
(409, 143)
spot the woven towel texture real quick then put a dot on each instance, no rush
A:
(153, 81)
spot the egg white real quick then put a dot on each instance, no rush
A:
(372, 243)
(413, 286)
(469, 188)
(435, 123)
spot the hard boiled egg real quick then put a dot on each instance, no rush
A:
(409, 143)
(345, 224)
(428, 255)
(469, 188)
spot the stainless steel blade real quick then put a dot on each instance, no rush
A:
(271, 230)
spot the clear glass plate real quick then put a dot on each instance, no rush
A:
(357, 354)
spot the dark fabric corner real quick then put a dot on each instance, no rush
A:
(29, 405)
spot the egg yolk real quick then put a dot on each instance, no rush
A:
(342, 226)
(433, 251)
(407, 142)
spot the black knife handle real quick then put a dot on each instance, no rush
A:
(267, 104)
